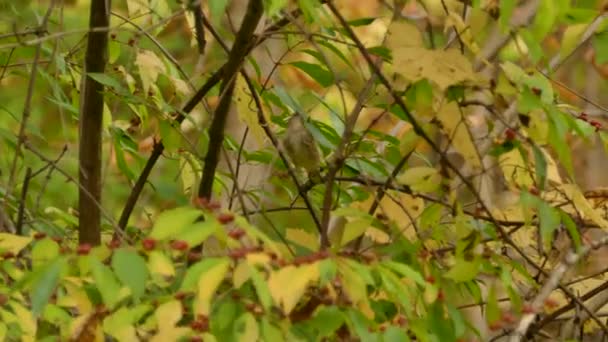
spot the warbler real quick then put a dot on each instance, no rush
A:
(301, 147)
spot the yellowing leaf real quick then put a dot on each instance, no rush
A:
(288, 284)
(159, 263)
(170, 334)
(207, 284)
(13, 243)
(247, 111)
(573, 193)
(422, 178)
(26, 319)
(455, 128)
(353, 284)
(377, 235)
(303, 238)
(240, 274)
(403, 34)
(246, 328)
(353, 229)
(515, 170)
(254, 259)
(150, 66)
(444, 68)
(571, 38)
(168, 314)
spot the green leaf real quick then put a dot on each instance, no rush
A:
(172, 222)
(549, 222)
(540, 166)
(217, 9)
(321, 75)
(107, 81)
(309, 9)
(326, 320)
(506, 12)
(557, 138)
(600, 43)
(361, 22)
(395, 334)
(44, 283)
(132, 270)
(405, 271)
(195, 271)
(261, 288)
(246, 328)
(105, 281)
(44, 251)
(464, 271)
(199, 232)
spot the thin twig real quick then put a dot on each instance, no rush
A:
(21, 212)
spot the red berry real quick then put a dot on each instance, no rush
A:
(57, 239)
(596, 124)
(534, 191)
(583, 116)
(510, 134)
(225, 218)
(527, 309)
(202, 202)
(179, 245)
(113, 36)
(8, 255)
(196, 339)
(536, 91)
(65, 250)
(39, 236)
(430, 279)
(84, 249)
(236, 233)
(440, 295)
(148, 244)
(180, 295)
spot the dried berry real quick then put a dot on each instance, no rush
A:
(225, 218)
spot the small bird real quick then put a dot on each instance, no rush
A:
(301, 147)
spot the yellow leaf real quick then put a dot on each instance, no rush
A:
(150, 66)
(444, 68)
(207, 284)
(160, 264)
(421, 179)
(13, 243)
(403, 34)
(452, 120)
(76, 296)
(573, 193)
(26, 320)
(353, 284)
(170, 334)
(571, 38)
(254, 259)
(288, 284)
(515, 170)
(303, 238)
(168, 314)
(377, 235)
(247, 111)
(240, 274)
(353, 229)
